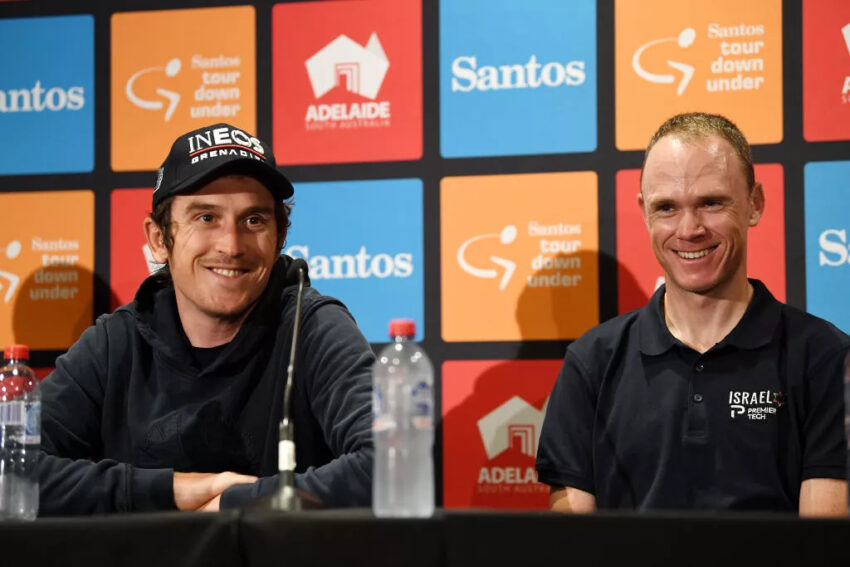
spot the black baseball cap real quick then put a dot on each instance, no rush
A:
(201, 156)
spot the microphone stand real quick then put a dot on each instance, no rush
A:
(286, 498)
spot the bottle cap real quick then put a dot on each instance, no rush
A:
(16, 352)
(402, 328)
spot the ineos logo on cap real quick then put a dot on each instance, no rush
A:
(198, 157)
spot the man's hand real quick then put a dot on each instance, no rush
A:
(571, 500)
(202, 491)
(823, 497)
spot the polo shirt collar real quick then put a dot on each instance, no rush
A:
(755, 329)
(655, 337)
(758, 325)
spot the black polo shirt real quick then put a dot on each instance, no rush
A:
(642, 421)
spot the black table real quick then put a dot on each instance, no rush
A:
(450, 538)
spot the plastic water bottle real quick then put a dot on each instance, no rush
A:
(20, 436)
(847, 419)
(402, 427)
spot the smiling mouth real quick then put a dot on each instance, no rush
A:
(695, 255)
(228, 273)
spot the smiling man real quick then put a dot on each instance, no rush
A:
(174, 401)
(714, 395)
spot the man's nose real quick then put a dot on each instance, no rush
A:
(229, 240)
(691, 224)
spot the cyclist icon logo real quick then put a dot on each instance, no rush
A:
(506, 236)
(684, 40)
(8, 280)
(171, 70)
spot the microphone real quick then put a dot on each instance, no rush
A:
(287, 498)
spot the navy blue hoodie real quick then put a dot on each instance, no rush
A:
(128, 405)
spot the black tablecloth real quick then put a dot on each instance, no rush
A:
(468, 539)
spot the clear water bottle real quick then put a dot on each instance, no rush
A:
(20, 436)
(402, 427)
(847, 419)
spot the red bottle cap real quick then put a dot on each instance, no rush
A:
(402, 328)
(16, 352)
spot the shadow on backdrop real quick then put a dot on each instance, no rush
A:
(53, 306)
(526, 376)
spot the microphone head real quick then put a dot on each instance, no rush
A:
(292, 270)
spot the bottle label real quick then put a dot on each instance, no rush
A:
(381, 419)
(384, 423)
(13, 413)
(423, 406)
(32, 434)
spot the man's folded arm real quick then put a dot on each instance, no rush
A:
(823, 490)
(571, 500)
(335, 363)
(564, 454)
(72, 487)
(73, 479)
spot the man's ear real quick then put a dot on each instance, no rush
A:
(756, 204)
(154, 238)
(640, 203)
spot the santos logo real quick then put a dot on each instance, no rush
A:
(468, 76)
(833, 248)
(354, 266)
(515, 425)
(735, 58)
(38, 99)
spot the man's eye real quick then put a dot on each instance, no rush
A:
(254, 221)
(206, 218)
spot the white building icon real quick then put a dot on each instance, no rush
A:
(344, 62)
(515, 423)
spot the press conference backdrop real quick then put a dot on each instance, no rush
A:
(471, 164)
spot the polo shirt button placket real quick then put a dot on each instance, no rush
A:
(697, 425)
(699, 367)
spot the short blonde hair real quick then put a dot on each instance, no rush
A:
(700, 125)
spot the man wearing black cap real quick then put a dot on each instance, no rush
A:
(174, 400)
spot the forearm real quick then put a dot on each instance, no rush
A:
(571, 500)
(344, 482)
(71, 487)
(823, 497)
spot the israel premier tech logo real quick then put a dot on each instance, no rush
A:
(362, 241)
(344, 63)
(47, 95)
(755, 406)
(827, 199)
(521, 81)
